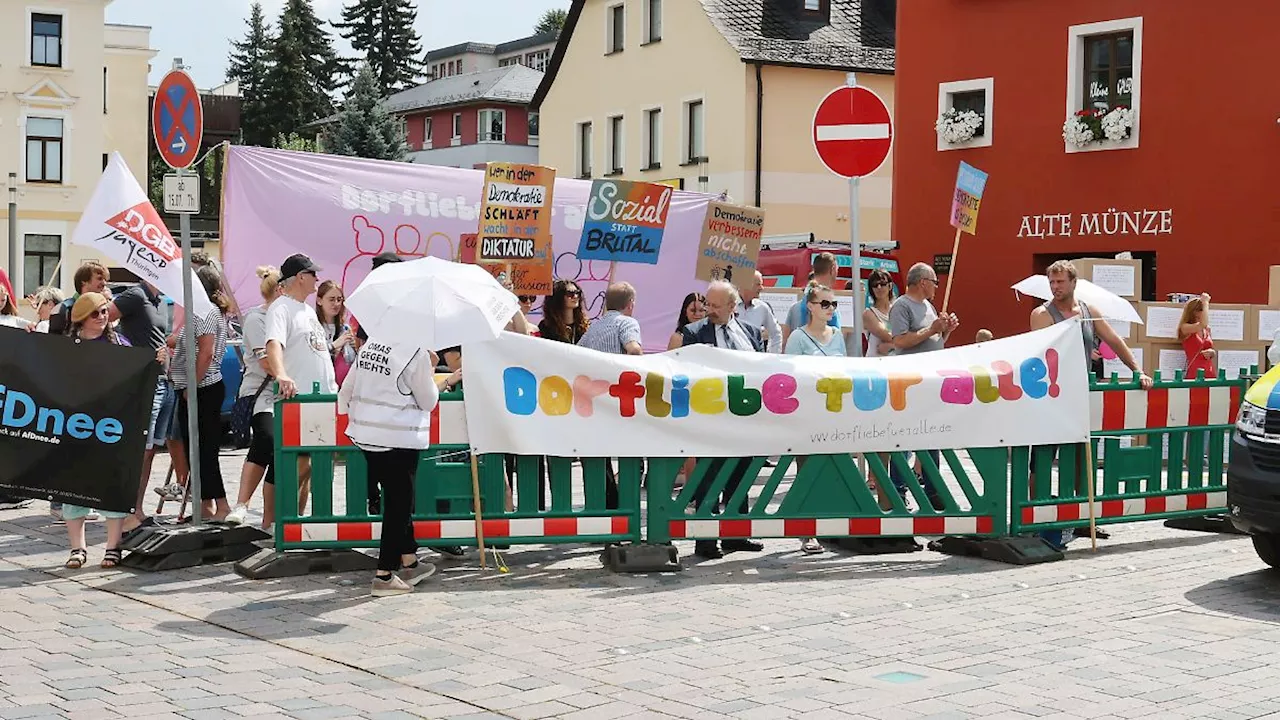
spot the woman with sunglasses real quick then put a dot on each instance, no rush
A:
(693, 309)
(817, 338)
(875, 319)
(563, 319)
(91, 322)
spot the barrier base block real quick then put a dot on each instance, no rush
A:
(188, 558)
(876, 545)
(1010, 550)
(642, 558)
(1211, 524)
(269, 564)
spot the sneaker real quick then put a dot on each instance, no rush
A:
(55, 509)
(93, 516)
(171, 492)
(9, 503)
(237, 515)
(390, 586)
(417, 573)
(453, 550)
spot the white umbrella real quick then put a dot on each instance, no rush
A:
(1104, 303)
(432, 302)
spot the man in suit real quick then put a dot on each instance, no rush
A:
(722, 329)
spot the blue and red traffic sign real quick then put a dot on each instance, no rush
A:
(177, 119)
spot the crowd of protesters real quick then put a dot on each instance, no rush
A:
(295, 345)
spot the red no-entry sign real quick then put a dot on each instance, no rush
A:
(177, 119)
(852, 131)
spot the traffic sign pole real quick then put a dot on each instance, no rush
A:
(189, 341)
(855, 246)
(177, 123)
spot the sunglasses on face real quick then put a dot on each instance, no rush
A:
(102, 312)
(572, 293)
(825, 304)
(875, 285)
(525, 299)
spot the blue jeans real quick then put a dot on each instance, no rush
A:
(900, 481)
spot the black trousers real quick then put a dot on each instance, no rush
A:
(737, 472)
(510, 462)
(394, 471)
(209, 428)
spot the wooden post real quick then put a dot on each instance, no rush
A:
(613, 265)
(475, 500)
(1093, 514)
(955, 255)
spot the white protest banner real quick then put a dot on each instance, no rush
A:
(121, 223)
(533, 397)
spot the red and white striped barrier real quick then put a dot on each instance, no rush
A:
(463, 529)
(1159, 408)
(830, 527)
(318, 424)
(1067, 512)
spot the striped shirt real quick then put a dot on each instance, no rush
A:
(212, 324)
(611, 332)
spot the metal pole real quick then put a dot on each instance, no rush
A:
(15, 257)
(855, 250)
(188, 340)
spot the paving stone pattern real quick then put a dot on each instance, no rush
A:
(1158, 623)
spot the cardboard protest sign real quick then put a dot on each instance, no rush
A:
(625, 221)
(730, 242)
(530, 277)
(516, 212)
(967, 199)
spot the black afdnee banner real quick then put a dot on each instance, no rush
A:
(73, 419)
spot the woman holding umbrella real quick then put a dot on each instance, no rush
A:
(388, 396)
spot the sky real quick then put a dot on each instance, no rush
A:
(201, 31)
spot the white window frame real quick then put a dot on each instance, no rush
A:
(456, 138)
(1076, 35)
(66, 43)
(686, 131)
(616, 140)
(648, 21)
(480, 129)
(67, 157)
(533, 136)
(948, 89)
(648, 141)
(609, 28)
(427, 127)
(578, 159)
(62, 247)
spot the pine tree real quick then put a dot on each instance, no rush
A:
(302, 73)
(365, 128)
(294, 141)
(551, 21)
(248, 65)
(382, 31)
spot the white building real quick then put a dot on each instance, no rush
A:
(73, 89)
(469, 57)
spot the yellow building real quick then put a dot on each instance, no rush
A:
(718, 96)
(73, 89)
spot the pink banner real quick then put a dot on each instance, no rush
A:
(342, 211)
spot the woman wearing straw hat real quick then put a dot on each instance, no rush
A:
(388, 397)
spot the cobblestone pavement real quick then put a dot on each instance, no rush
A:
(1158, 623)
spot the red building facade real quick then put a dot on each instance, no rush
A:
(1190, 185)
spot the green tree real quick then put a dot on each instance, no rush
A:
(302, 70)
(294, 141)
(382, 31)
(551, 21)
(365, 128)
(248, 65)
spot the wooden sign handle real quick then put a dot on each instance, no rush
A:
(951, 273)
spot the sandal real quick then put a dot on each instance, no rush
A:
(111, 558)
(77, 560)
(811, 546)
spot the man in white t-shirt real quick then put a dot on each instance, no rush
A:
(297, 352)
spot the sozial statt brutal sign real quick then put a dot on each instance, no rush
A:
(516, 213)
(625, 221)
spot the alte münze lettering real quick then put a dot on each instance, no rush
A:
(1111, 222)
